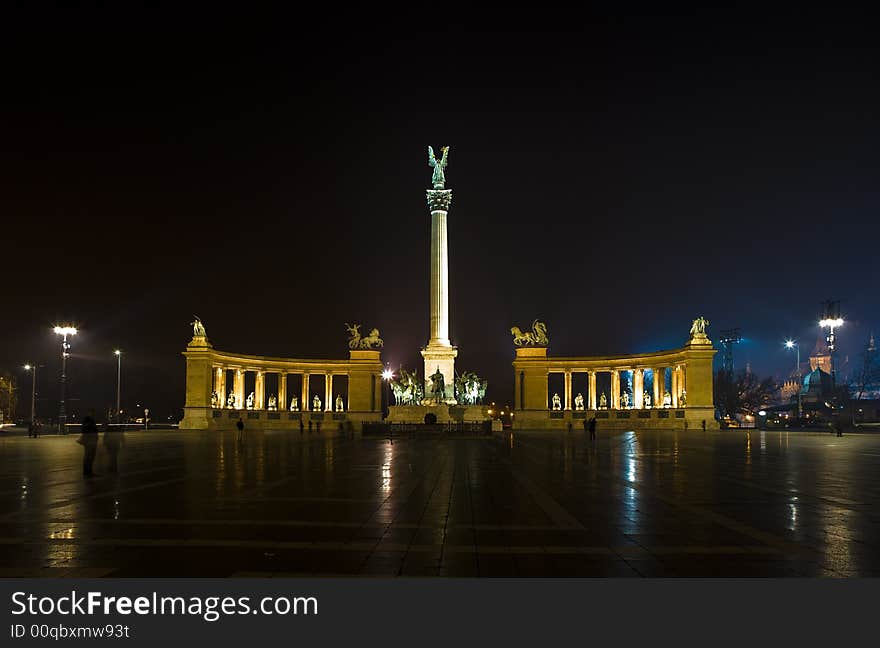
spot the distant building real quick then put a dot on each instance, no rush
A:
(819, 359)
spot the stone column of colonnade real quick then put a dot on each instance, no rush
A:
(615, 389)
(304, 403)
(282, 390)
(638, 388)
(659, 386)
(238, 388)
(220, 385)
(328, 392)
(567, 390)
(591, 397)
(675, 388)
(260, 390)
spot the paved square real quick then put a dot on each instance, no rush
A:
(524, 504)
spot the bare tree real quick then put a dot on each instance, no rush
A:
(868, 374)
(744, 393)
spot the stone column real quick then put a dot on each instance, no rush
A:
(615, 389)
(659, 386)
(592, 395)
(675, 386)
(567, 405)
(238, 388)
(638, 388)
(682, 383)
(304, 404)
(260, 391)
(328, 392)
(439, 352)
(282, 390)
(220, 385)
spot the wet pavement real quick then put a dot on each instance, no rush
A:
(657, 503)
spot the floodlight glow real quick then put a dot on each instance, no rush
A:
(27, 367)
(117, 352)
(789, 344)
(831, 323)
(65, 330)
(762, 413)
(387, 374)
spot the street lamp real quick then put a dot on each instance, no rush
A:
(64, 331)
(831, 320)
(791, 344)
(33, 370)
(387, 376)
(118, 354)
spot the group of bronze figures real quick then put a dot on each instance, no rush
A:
(408, 389)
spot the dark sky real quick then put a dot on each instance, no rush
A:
(613, 175)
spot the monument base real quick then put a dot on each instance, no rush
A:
(439, 356)
(444, 413)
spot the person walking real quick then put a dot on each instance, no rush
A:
(593, 428)
(240, 426)
(704, 425)
(301, 426)
(89, 441)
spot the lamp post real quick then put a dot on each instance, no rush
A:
(118, 354)
(831, 320)
(791, 344)
(64, 331)
(33, 370)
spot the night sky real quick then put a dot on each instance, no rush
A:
(613, 175)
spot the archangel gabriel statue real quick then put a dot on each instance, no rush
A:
(439, 178)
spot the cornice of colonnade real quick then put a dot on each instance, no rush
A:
(584, 364)
(359, 360)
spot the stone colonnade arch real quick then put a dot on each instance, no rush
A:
(690, 398)
(208, 406)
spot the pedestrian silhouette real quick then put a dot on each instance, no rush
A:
(89, 441)
(240, 426)
(704, 425)
(113, 441)
(593, 429)
(301, 426)
(310, 426)
(318, 423)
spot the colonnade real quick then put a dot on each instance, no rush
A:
(304, 401)
(677, 389)
(678, 381)
(211, 376)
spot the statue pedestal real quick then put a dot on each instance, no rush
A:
(444, 413)
(438, 356)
